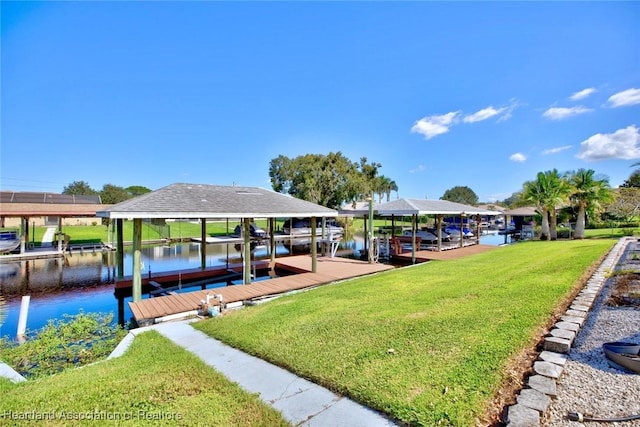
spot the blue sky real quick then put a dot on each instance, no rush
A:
(440, 93)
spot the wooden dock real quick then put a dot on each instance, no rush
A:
(192, 274)
(158, 309)
(453, 253)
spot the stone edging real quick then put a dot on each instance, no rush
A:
(535, 399)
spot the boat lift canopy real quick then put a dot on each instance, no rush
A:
(202, 201)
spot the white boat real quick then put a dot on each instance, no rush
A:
(444, 236)
(424, 235)
(454, 232)
(302, 227)
(9, 241)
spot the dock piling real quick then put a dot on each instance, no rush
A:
(22, 319)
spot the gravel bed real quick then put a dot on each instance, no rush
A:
(588, 384)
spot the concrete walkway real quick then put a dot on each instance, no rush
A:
(301, 402)
(47, 238)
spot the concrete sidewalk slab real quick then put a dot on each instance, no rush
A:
(300, 401)
(47, 238)
(8, 372)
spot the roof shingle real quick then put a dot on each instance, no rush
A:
(214, 201)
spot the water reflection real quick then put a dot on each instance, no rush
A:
(84, 281)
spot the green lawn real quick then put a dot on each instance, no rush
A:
(428, 345)
(153, 379)
(179, 229)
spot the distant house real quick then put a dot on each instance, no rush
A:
(48, 209)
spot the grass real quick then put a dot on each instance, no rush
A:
(154, 382)
(183, 229)
(428, 345)
(600, 233)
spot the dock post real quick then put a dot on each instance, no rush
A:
(272, 240)
(119, 248)
(314, 247)
(246, 235)
(60, 235)
(24, 233)
(414, 229)
(22, 319)
(203, 244)
(136, 284)
(370, 233)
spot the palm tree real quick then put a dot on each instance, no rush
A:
(547, 193)
(391, 187)
(588, 193)
(558, 192)
(534, 192)
(384, 186)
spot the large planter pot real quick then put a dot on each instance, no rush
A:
(623, 355)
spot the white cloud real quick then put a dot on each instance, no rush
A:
(622, 144)
(518, 157)
(559, 113)
(431, 126)
(490, 111)
(419, 168)
(506, 114)
(556, 149)
(582, 94)
(484, 114)
(625, 98)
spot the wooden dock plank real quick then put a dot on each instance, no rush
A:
(173, 304)
(136, 310)
(453, 253)
(144, 309)
(328, 270)
(164, 304)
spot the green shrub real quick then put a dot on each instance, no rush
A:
(73, 341)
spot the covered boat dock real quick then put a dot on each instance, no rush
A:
(50, 208)
(203, 202)
(440, 209)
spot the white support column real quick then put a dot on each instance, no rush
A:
(136, 285)
(247, 250)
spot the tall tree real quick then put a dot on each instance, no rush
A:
(384, 186)
(514, 200)
(587, 194)
(79, 188)
(626, 203)
(112, 194)
(329, 180)
(325, 180)
(632, 181)
(558, 191)
(137, 190)
(461, 194)
(534, 192)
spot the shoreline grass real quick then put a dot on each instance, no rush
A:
(154, 383)
(183, 230)
(428, 345)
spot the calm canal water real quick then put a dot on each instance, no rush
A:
(83, 281)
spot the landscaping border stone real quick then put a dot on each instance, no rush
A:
(548, 368)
